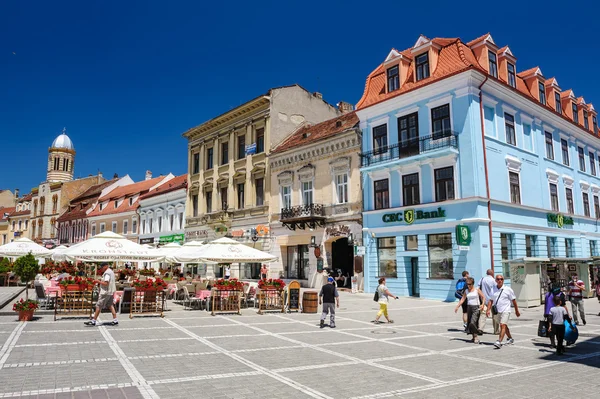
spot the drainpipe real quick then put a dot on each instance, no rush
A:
(487, 179)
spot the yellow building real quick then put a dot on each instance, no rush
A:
(316, 201)
(19, 219)
(228, 169)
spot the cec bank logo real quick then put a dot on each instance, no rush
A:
(560, 221)
(409, 216)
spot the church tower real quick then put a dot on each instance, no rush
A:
(61, 159)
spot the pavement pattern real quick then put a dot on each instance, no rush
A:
(187, 354)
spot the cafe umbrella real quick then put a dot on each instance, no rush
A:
(23, 246)
(111, 247)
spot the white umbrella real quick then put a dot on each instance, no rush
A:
(58, 253)
(109, 246)
(226, 250)
(187, 253)
(168, 250)
(23, 246)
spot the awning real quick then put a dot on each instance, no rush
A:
(527, 259)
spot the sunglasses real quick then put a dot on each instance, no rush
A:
(499, 279)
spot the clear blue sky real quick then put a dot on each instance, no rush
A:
(127, 78)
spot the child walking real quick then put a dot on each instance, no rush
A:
(559, 315)
(329, 298)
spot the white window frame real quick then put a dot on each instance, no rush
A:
(93, 230)
(134, 226)
(455, 176)
(312, 190)
(114, 227)
(410, 170)
(447, 99)
(282, 196)
(376, 123)
(346, 186)
(513, 165)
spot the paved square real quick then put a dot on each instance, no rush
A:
(424, 354)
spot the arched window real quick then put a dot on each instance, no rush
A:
(54, 203)
(42, 206)
(33, 226)
(66, 165)
(35, 206)
(40, 228)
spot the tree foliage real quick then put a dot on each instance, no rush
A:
(26, 267)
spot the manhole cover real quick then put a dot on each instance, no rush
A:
(383, 331)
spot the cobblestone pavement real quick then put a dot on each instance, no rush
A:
(191, 354)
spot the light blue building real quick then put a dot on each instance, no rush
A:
(455, 140)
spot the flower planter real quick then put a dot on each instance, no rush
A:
(26, 315)
(71, 287)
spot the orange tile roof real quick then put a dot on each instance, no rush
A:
(526, 73)
(131, 189)
(479, 39)
(175, 183)
(310, 134)
(20, 213)
(27, 197)
(6, 212)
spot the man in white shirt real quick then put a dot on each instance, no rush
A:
(105, 298)
(487, 285)
(501, 300)
(576, 289)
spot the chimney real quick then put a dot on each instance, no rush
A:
(148, 175)
(116, 176)
(318, 95)
(345, 107)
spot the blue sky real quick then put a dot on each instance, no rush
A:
(127, 78)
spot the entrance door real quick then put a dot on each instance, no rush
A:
(342, 258)
(414, 263)
(408, 135)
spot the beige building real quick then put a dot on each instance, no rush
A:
(5, 231)
(7, 198)
(228, 168)
(316, 200)
(19, 219)
(53, 196)
(117, 209)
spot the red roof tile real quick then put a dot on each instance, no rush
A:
(309, 134)
(131, 189)
(6, 212)
(27, 197)
(479, 39)
(528, 72)
(20, 213)
(175, 183)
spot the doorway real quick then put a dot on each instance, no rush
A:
(414, 266)
(342, 259)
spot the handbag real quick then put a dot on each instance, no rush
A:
(376, 296)
(542, 329)
(494, 308)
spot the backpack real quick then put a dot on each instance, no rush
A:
(461, 285)
(376, 296)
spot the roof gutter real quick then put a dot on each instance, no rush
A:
(485, 166)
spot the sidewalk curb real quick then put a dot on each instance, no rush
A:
(12, 298)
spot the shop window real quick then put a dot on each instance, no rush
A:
(506, 247)
(531, 246)
(552, 247)
(569, 250)
(439, 248)
(250, 271)
(410, 189)
(382, 194)
(444, 184)
(411, 243)
(297, 262)
(386, 255)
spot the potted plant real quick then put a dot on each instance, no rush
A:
(69, 284)
(147, 272)
(26, 267)
(271, 284)
(26, 309)
(229, 285)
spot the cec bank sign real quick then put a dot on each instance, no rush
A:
(410, 215)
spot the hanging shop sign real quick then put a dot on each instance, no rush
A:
(559, 220)
(410, 215)
(194, 235)
(262, 230)
(463, 235)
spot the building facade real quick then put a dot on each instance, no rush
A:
(52, 197)
(228, 168)
(8, 199)
(73, 225)
(5, 227)
(162, 213)
(468, 164)
(117, 210)
(316, 200)
(19, 219)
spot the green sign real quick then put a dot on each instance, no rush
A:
(410, 215)
(559, 219)
(319, 265)
(172, 238)
(463, 235)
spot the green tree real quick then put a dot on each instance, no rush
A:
(26, 267)
(4, 265)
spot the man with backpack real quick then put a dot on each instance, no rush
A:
(461, 286)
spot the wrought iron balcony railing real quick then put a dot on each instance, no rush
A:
(409, 148)
(300, 216)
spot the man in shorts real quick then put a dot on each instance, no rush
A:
(105, 298)
(501, 300)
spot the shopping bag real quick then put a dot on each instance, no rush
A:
(542, 329)
(571, 333)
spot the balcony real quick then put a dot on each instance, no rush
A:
(409, 148)
(301, 216)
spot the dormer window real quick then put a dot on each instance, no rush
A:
(586, 123)
(130, 201)
(101, 206)
(575, 115)
(393, 78)
(422, 66)
(542, 90)
(512, 78)
(557, 101)
(493, 64)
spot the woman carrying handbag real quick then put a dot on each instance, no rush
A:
(475, 301)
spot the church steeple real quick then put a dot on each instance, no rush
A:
(61, 159)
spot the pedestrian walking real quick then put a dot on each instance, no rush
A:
(382, 294)
(475, 302)
(549, 302)
(576, 289)
(500, 307)
(487, 285)
(559, 314)
(329, 298)
(105, 298)
(227, 272)
(461, 286)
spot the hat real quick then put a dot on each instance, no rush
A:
(330, 279)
